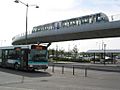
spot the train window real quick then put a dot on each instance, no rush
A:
(90, 19)
(50, 27)
(68, 24)
(0, 54)
(36, 30)
(65, 24)
(6, 52)
(33, 30)
(94, 18)
(57, 25)
(98, 18)
(77, 22)
(60, 24)
(82, 21)
(86, 19)
(74, 22)
(47, 28)
(42, 28)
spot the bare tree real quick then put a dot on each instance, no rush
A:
(75, 52)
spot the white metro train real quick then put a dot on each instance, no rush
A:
(88, 19)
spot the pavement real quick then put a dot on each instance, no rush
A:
(48, 80)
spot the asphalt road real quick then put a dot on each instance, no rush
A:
(47, 80)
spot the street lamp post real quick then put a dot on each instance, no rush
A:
(18, 1)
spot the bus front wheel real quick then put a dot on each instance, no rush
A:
(16, 66)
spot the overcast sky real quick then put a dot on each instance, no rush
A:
(12, 19)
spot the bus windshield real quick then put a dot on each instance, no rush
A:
(38, 55)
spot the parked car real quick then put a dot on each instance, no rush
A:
(117, 58)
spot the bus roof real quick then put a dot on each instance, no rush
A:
(17, 46)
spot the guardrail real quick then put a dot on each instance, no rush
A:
(74, 69)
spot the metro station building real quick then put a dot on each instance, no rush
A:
(108, 55)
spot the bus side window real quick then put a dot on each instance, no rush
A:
(6, 52)
(0, 54)
(11, 54)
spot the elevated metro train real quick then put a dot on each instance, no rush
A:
(88, 19)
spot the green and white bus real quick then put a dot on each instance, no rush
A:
(26, 57)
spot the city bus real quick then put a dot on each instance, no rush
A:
(26, 57)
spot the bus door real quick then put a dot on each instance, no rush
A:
(24, 60)
(4, 57)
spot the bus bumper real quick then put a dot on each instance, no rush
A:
(38, 66)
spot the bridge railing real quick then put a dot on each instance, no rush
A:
(111, 19)
(20, 35)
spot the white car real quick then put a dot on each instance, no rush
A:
(117, 59)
